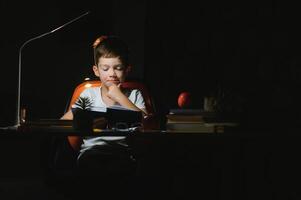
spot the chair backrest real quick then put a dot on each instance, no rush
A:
(128, 85)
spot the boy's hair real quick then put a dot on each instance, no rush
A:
(111, 47)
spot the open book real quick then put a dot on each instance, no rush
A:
(113, 117)
(123, 118)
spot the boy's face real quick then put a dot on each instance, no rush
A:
(110, 71)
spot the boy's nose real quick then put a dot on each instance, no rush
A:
(112, 72)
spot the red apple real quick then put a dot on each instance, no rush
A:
(184, 100)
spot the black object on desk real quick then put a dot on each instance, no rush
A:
(118, 116)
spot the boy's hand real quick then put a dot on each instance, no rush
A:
(114, 92)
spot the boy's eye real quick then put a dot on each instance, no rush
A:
(105, 68)
(119, 67)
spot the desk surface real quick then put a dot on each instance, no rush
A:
(64, 127)
(55, 126)
(68, 131)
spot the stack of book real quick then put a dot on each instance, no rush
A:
(194, 121)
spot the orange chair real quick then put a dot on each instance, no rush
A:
(131, 85)
(150, 122)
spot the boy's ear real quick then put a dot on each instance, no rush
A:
(96, 71)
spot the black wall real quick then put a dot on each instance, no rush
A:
(249, 52)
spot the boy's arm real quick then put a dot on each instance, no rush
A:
(68, 115)
(115, 94)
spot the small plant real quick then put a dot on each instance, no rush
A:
(83, 120)
(84, 103)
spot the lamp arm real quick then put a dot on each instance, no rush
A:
(18, 108)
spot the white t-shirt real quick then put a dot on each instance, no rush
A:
(94, 94)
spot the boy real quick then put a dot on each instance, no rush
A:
(111, 57)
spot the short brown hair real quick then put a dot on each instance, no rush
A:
(111, 47)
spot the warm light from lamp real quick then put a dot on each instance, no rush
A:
(88, 85)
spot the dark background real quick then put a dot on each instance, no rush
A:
(245, 54)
